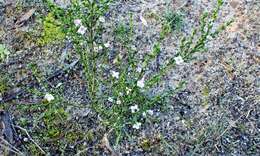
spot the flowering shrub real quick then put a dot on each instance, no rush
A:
(119, 90)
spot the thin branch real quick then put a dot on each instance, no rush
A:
(30, 138)
(10, 147)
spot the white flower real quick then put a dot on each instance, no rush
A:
(139, 69)
(118, 101)
(137, 125)
(115, 74)
(134, 108)
(150, 112)
(128, 90)
(48, 97)
(120, 94)
(102, 19)
(179, 60)
(143, 20)
(100, 47)
(82, 30)
(140, 83)
(96, 48)
(107, 45)
(110, 99)
(77, 22)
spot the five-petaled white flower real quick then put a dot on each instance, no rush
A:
(102, 19)
(118, 101)
(179, 60)
(140, 83)
(48, 97)
(82, 30)
(150, 112)
(134, 108)
(115, 74)
(107, 45)
(128, 90)
(137, 125)
(77, 22)
(110, 99)
(139, 69)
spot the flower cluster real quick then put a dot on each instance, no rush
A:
(135, 109)
(82, 29)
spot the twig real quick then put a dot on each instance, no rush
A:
(105, 144)
(82, 151)
(10, 147)
(231, 125)
(30, 138)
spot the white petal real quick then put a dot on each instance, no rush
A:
(102, 19)
(107, 45)
(140, 83)
(150, 112)
(128, 90)
(137, 125)
(110, 99)
(139, 69)
(115, 74)
(82, 30)
(179, 60)
(143, 20)
(118, 102)
(48, 97)
(77, 22)
(134, 108)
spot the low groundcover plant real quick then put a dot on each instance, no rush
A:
(119, 90)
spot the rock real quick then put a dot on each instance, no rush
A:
(234, 3)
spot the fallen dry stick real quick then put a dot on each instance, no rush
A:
(30, 138)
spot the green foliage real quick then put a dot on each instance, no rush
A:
(197, 40)
(4, 52)
(3, 83)
(52, 31)
(53, 119)
(121, 33)
(172, 21)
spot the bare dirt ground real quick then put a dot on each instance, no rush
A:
(216, 114)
